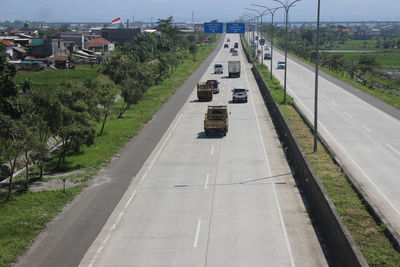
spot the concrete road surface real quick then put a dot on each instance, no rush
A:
(365, 138)
(212, 201)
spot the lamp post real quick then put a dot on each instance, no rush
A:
(261, 14)
(316, 82)
(272, 12)
(254, 17)
(286, 5)
(250, 17)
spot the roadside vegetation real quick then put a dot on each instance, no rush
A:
(92, 112)
(375, 73)
(369, 236)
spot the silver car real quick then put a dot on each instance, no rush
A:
(239, 94)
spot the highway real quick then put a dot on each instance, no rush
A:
(212, 201)
(364, 138)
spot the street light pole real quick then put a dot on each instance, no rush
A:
(286, 6)
(261, 14)
(316, 82)
(272, 12)
(253, 26)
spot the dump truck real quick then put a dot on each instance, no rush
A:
(216, 120)
(234, 69)
(204, 91)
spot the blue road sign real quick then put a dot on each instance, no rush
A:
(235, 27)
(213, 27)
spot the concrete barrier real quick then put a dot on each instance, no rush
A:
(342, 248)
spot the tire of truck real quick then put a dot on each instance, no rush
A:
(224, 132)
(207, 132)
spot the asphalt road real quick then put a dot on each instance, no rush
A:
(363, 132)
(66, 239)
(212, 201)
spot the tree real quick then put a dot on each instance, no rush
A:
(8, 89)
(367, 63)
(79, 111)
(11, 144)
(47, 116)
(131, 93)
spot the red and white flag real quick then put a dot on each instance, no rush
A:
(116, 20)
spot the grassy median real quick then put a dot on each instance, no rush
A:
(25, 215)
(368, 235)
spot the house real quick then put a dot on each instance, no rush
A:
(119, 35)
(42, 48)
(77, 37)
(9, 48)
(100, 45)
(61, 62)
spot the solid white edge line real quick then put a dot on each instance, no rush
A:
(196, 238)
(273, 184)
(212, 150)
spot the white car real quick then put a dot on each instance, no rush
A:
(218, 69)
(281, 64)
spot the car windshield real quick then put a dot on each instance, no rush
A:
(218, 66)
(239, 90)
(281, 62)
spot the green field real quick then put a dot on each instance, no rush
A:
(55, 77)
(25, 215)
(385, 60)
(361, 45)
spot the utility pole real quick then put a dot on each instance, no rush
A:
(286, 6)
(316, 82)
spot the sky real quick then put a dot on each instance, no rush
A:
(204, 10)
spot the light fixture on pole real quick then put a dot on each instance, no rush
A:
(255, 47)
(316, 82)
(272, 12)
(254, 17)
(250, 17)
(261, 15)
(286, 5)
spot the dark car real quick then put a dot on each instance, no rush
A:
(226, 46)
(267, 56)
(236, 45)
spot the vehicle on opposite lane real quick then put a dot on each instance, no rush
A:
(281, 65)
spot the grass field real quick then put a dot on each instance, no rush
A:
(22, 218)
(368, 235)
(362, 45)
(55, 77)
(385, 60)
